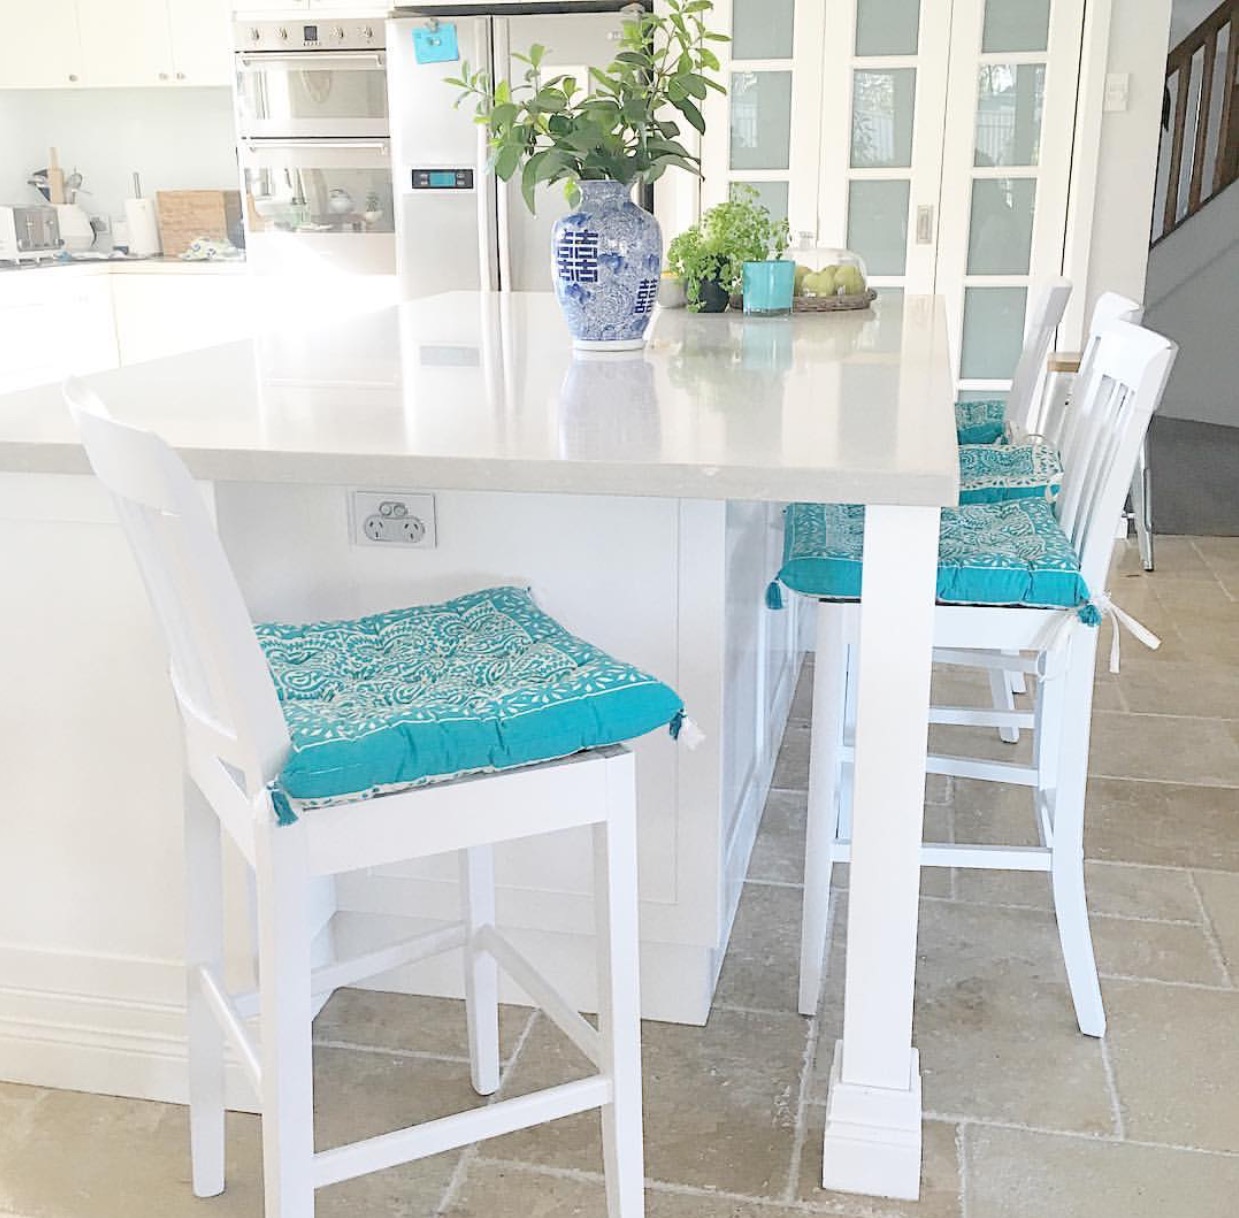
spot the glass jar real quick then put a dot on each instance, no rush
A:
(828, 271)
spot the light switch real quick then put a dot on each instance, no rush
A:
(1118, 85)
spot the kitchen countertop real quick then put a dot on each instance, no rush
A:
(131, 266)
(482, 391)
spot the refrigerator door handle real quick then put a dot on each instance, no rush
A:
(501, 60)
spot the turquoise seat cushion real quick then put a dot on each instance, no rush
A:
(988, 554)
(484, 682)
(993, 473)
(983, 422)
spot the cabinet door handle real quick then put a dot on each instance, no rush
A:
(925, 225)
(72, 77)
(180, 76)
(163, 76)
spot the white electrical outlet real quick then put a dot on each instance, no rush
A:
(393, 518)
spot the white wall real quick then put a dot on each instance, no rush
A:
(1192, 289)
(1187, 15)
(177, 139)
(1127, 152)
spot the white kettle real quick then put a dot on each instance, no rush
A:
(75, 230)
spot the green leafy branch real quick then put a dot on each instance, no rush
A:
(620, 125)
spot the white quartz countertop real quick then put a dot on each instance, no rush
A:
(483, 391)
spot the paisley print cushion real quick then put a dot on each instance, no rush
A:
(992, 473)
(988, 554)
(983, 422)
(484, 682)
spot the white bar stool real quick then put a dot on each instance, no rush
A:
(237, 741)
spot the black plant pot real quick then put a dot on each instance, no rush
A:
(712, 296)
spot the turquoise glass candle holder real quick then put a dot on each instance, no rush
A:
(768, 287)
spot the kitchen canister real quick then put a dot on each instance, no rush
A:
(143, 227)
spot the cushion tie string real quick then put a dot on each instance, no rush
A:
(1120, 617)
(284, 813)
(685, 731)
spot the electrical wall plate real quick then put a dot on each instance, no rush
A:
(395, 519)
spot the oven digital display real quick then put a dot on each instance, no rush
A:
(443, 179)
(310, 33)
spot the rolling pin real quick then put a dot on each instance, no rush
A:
(55, 178)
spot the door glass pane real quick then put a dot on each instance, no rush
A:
(762, 29)
(1016, 25)
(761, 120)
(878, 224)
(1009, 103)
(772, 195)
(887, 27)
(1000, 230)
(883, 107)
(993, 332)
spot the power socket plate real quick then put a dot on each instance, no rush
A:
(393, 520)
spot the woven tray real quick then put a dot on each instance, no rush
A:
(833, 304)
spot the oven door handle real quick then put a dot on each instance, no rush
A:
(324, 61)
(380, 146)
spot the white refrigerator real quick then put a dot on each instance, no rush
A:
(457, 226)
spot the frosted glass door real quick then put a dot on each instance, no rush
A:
(1005, 174)
(766, 132)
(884, 93)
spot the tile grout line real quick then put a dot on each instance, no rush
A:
(961, 1159)
(470, 1154)
(1116, 1104)
(1170, 985)
(420, 1055)
(1204, 558)
(825, 1208)
(1215, 944)
(812, 1043)
(1107, 1139)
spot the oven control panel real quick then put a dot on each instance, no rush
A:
(293, 35)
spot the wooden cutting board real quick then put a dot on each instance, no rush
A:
(185, 215)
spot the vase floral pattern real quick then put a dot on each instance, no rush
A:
(606, 258)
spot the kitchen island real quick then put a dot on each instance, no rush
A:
(638, 495)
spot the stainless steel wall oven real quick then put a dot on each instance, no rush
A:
(314, 134)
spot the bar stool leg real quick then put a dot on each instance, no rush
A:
(1064, 727)
(284, 968)
(830, 683)
(204, 942)
(477, 875)
(619, 1005)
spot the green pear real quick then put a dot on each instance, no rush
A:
(850, 280)
(821, 283)
(802, 273)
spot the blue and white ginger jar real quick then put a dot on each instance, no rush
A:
(606, 258)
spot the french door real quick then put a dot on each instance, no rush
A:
(934, 137)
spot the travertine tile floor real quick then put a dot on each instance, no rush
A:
(1026, 1118)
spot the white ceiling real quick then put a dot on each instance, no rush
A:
(1186, 16)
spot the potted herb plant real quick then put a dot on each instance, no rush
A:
(601, 141)
(709, 256)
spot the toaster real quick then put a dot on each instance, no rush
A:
(28, 233)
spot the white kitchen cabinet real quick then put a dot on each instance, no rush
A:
(123, 44)
(201, 41)
(53, 324)
(165, 314)
(126, 43)
(40, 47)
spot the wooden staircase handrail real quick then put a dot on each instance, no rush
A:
(1203, 181)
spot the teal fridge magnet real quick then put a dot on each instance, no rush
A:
(436, 43)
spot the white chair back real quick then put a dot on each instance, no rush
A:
(1118, 388)
(219, 673)
(1054, 417)
(1048, 312)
